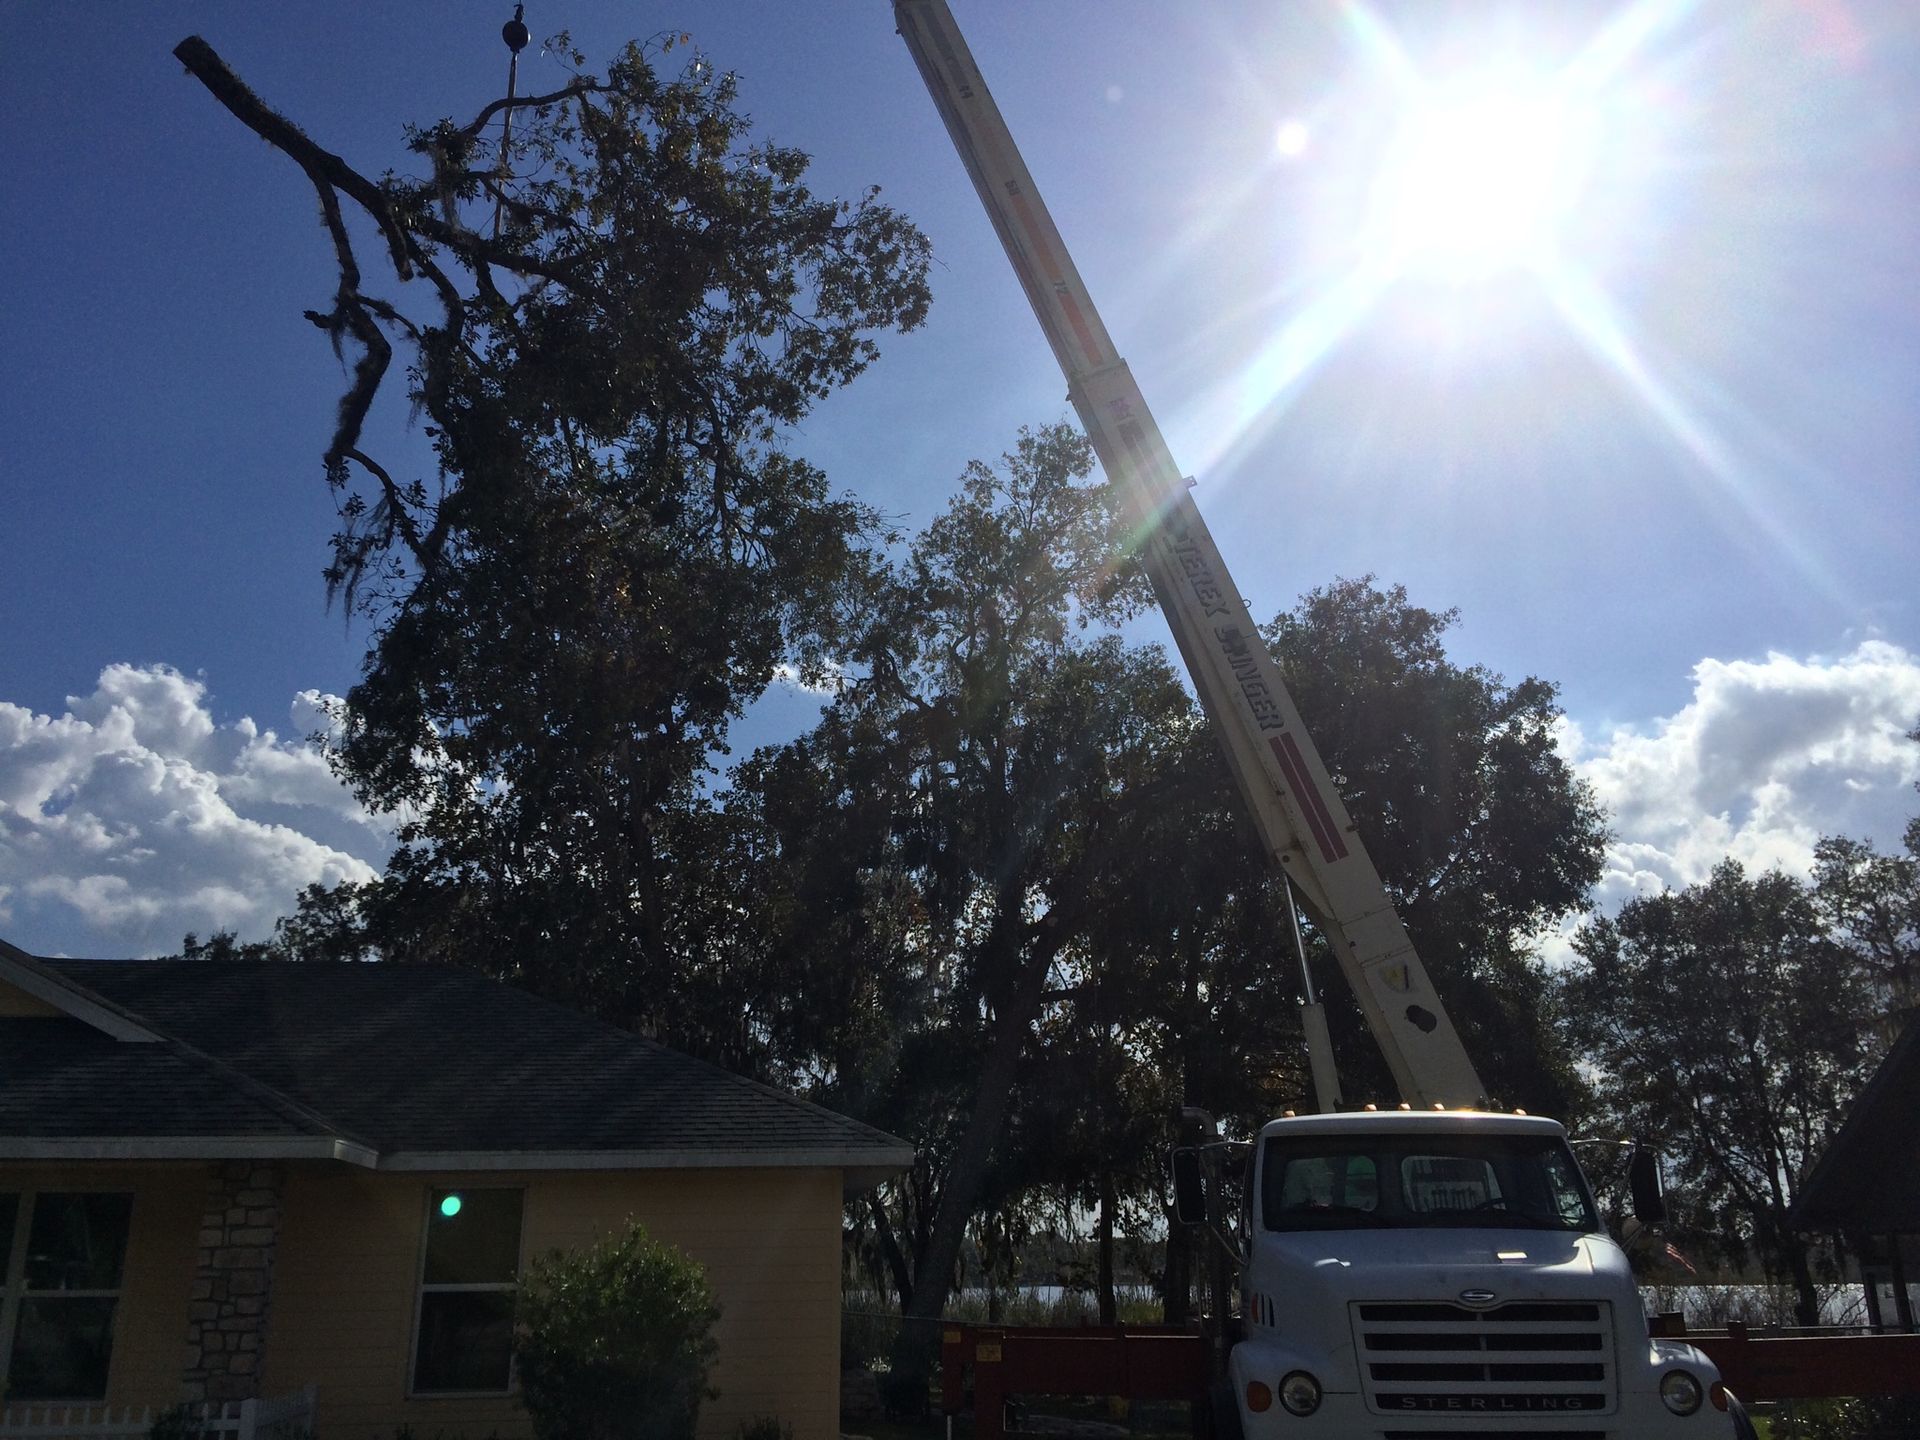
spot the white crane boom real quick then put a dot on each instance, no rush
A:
(1301, 819)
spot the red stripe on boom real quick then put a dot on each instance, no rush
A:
(1319, 820)
(1051, 272)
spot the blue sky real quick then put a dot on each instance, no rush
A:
(1667, 458)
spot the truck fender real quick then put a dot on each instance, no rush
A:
(1223, 1411)
(1270, 1363)
(1743, 1427)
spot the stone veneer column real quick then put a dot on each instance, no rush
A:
(232, 1288)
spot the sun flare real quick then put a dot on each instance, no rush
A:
(1480, 179)
(1478, 197)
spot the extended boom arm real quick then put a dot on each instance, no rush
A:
(1302, 821)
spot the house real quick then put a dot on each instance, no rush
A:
(1866, 1184)
(223, 1180)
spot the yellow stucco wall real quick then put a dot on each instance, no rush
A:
(349, 1255)
(150, 1322)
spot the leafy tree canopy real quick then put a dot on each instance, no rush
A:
(1727, 1021)
(604, 330)
(951, 821)
(1480, 829)
(1871, 904)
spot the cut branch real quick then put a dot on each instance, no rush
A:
(323, 167)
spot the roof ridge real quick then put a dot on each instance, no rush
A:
(36, 969)
(278, 1101)
(771, 1091)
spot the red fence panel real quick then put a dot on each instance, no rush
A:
(1140, 1362)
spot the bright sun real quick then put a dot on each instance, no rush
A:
(1479, 179)
(1509, 193)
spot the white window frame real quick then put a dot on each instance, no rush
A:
(421, 1289)
(14, 1292)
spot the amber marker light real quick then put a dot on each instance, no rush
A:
(1259, 1397)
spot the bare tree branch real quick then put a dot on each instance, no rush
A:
(580, 87)
(323, 167)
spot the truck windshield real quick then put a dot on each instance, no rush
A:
(1406, 1181)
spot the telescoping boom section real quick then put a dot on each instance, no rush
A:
(1301, 819)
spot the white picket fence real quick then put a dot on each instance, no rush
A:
(287, 1417)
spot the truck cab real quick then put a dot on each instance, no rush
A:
(1417, 1275)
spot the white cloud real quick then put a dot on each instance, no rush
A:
(1764, 759)
(135, 817)
(829, 682)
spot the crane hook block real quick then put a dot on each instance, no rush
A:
(514, 32)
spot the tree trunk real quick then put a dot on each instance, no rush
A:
(1109, 1312)
(890, 1250)
(919, 1344)
(1806, 1308)
(933, 1278)
(1176, 1285)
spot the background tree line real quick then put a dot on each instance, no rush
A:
(1000, 899)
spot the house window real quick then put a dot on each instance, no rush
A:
(469, 1273)
(65, 1254)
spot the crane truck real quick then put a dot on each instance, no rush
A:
(1430, 1270)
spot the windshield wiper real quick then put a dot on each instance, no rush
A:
(1324, 1217)
(1490, 1219)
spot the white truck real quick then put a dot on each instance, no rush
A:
(1413, 1275)
(1435, 1270)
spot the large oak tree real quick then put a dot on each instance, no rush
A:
(1481, 831)
(1730, 1023)
(605, 332)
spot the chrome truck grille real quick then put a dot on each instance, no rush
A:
(1520, 1362)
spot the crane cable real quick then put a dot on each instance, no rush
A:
(515, 33)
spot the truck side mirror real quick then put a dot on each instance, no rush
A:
(1643, 1179)
(1189, 1186)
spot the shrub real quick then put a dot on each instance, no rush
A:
(175, 1423)
(763, 1427)
(1885, 1418)
(615, 1341)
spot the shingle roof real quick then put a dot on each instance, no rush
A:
(1868, 1177)
(60, 1077)
(418, 1063)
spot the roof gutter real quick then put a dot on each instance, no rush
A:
(189, 1147)
(861, 1169)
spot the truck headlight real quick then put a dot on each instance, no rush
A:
(1300, 1393)
(1680, 1392)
